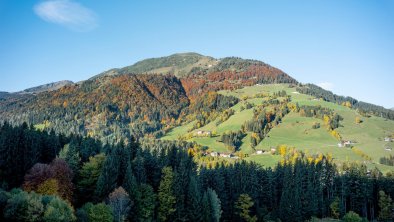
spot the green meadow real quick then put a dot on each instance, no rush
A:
(296, 131)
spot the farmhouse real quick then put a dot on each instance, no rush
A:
(388, 139)
(204, 133)
(214, 154)
(258, 152)
(226, 155)
(345, 143)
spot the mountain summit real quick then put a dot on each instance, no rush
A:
(184, 64)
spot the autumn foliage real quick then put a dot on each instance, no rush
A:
(51, 179)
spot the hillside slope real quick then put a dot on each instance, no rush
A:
(111, 109)
(231, 105)
(123, 102)
(295, 129)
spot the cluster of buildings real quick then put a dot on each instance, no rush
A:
(204, 133)
(232, 155)
(223, 154)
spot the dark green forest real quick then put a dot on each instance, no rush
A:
(51, 177)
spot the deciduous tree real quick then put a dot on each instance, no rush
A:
(243, 206)
(119, 201)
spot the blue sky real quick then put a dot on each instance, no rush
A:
(345, 46)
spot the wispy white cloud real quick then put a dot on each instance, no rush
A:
(326, 85)
(67, 13)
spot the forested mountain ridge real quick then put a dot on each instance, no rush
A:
(233, 73)
(123, 102)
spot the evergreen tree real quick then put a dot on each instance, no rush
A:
(386, 206)
(145, 203)
(131, 187)
(211, 206)
(166, 197)
(71, 156)
(107, 180)
(194, 201)
(310, 200)
(287, 207)
(124, 156)
(139, 168)
(181, 183)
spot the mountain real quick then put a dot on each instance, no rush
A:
(230, 105)
(119, 105)
(179, 64)
(134, 99)
(200, 73)
(48, 87)
(37, 89)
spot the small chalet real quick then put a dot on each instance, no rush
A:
(387, 139)
(204, 133)
(226, 155)
(345, 143)
(258, 152)
(214, 154)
